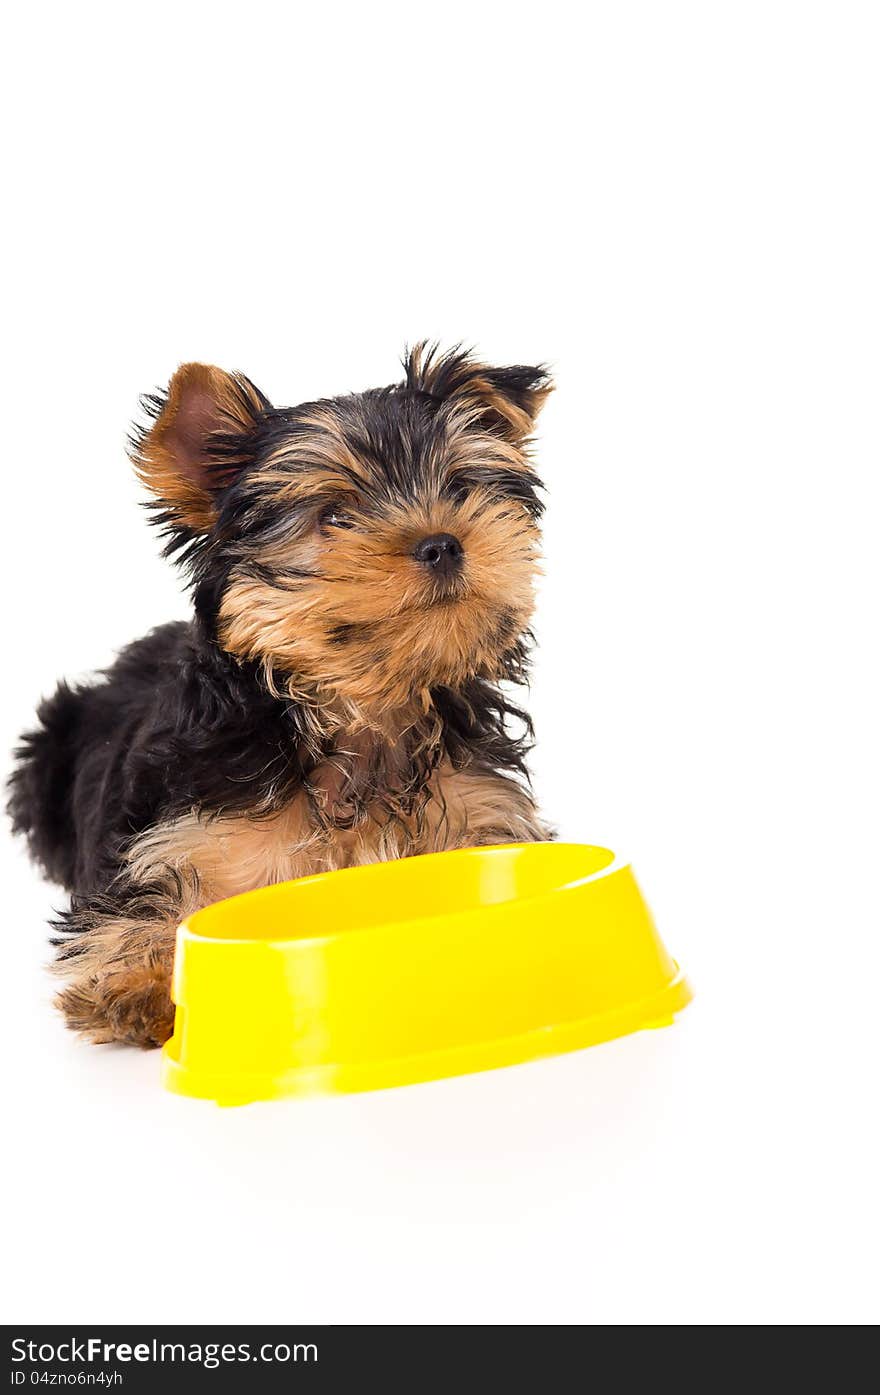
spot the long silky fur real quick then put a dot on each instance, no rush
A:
(182, 726)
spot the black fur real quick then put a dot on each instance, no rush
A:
(176, 725)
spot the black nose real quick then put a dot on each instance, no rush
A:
(441, 552)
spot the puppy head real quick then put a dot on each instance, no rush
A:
(365, 549)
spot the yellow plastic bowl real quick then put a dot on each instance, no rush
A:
(405, 971)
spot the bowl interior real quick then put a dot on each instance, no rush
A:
(437, 884)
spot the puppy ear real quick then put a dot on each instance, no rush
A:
(509, 398)
(199, 438)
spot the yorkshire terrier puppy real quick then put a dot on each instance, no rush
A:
(362, 571)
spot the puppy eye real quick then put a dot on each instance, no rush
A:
(335, 516)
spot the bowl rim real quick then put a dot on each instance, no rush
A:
(615, 864)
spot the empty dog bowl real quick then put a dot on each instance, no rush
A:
(411, 970)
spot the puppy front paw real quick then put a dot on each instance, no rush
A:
(128, 1005)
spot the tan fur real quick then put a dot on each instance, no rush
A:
(120, 970)
(172, 459)
(121, 985)
(477, 389)
(400, 641)
(239, 852)
(321, 447)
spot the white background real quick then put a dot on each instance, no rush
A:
(677, 205)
